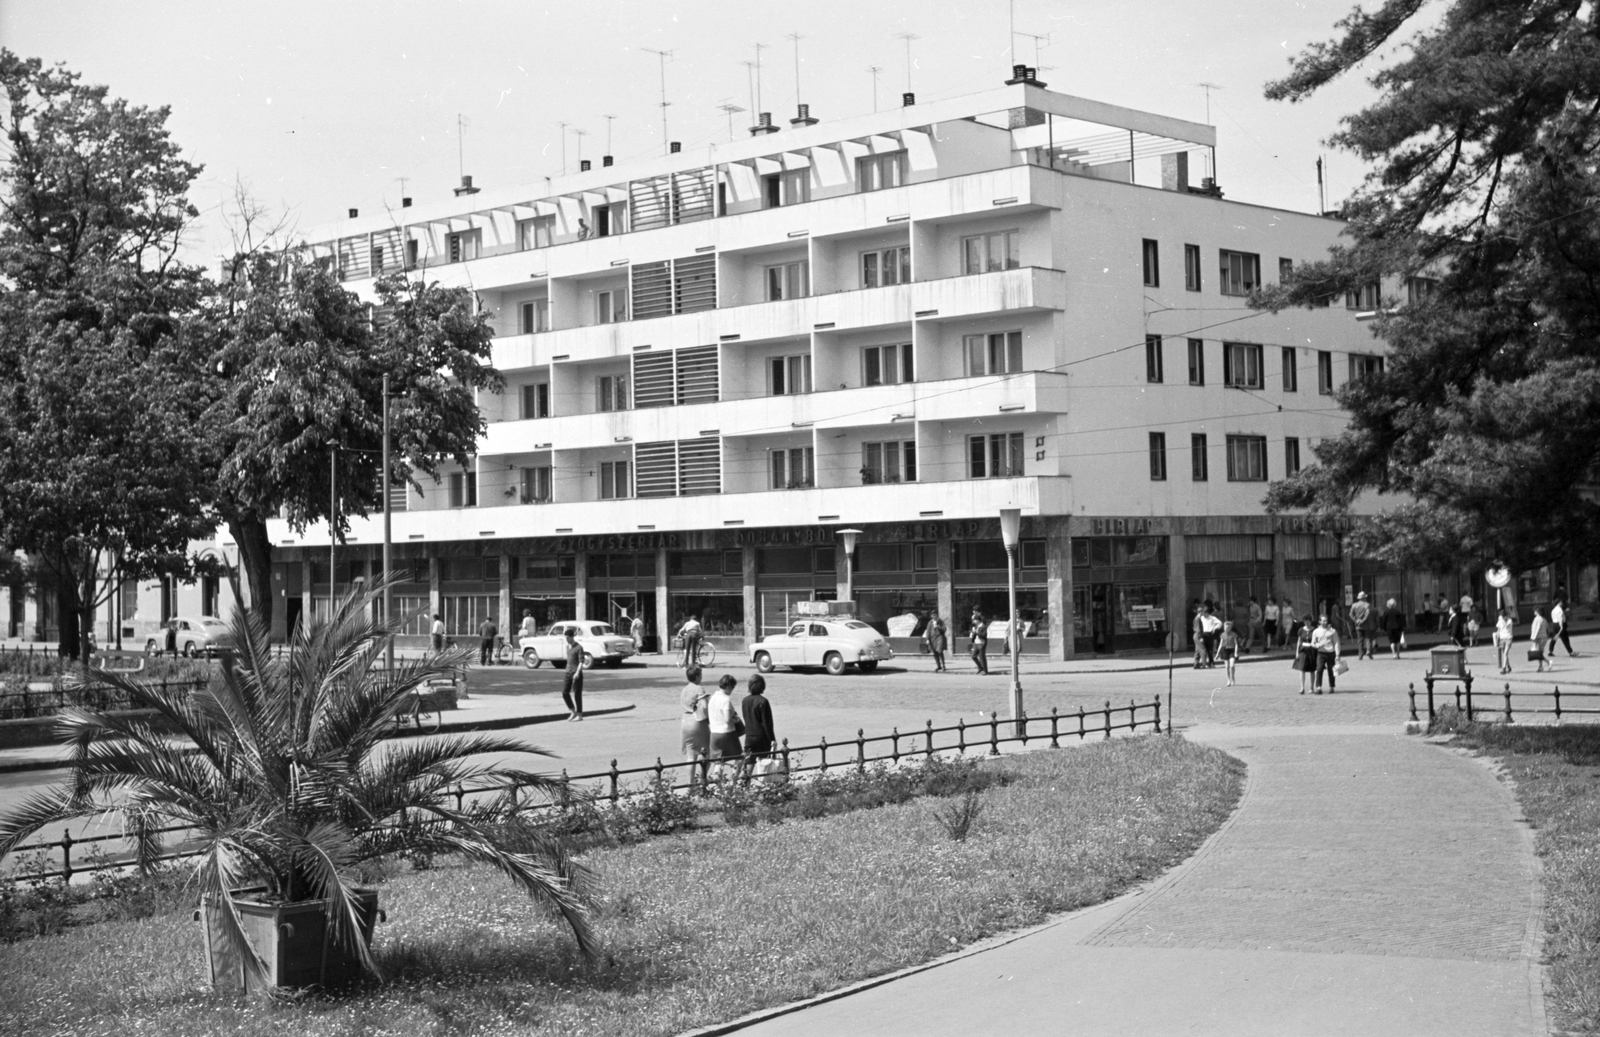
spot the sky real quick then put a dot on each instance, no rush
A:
(318, 107)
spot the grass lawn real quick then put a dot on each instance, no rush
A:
(695, 928)
(1557, 775)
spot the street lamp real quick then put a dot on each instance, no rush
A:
(333, 521)
(849, 537)
(1010, 529)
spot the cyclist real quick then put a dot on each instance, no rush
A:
(528, 629)
(690, 632)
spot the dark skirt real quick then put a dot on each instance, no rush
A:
(1305, 660)
(725, 745)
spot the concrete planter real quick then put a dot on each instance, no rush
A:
(292, 938)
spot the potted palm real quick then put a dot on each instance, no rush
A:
(287, 781)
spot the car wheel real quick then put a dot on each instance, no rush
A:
(764, 662)
(834, 663)
(867, 667)
(588, 661)
(615, 664)
(150, 645)
(188, 650)
(531, 660)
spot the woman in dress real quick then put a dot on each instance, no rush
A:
(1503, 637)
(1540, 640)
(1305, 658)
(1394, 626)
(934, 636)
(1228, 649)
(726, 727)
(695, 727)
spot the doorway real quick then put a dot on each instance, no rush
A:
(1100, 618)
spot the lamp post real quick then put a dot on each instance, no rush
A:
(333, 521)
(849, 538)
(388, 601)
(1010, 529)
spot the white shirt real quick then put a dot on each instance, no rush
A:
(529, 628)
(438, 626)
(1271, 611)
(1502, 628)
(691, 627)
(1558, 615)
(720, 712)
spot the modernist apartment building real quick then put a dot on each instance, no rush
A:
(899, 323)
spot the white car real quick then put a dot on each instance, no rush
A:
(197, 635)
(833, 644)
(599, 643)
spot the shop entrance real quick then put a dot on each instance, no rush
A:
(619, 609)
(1100, 617)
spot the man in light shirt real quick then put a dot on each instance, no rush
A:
(1270, 618)
(1558, 620)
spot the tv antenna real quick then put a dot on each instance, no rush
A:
(873, 70)
(1208, 87)
(908, 37)
(759, 48)
(563, 126)
(664, 55)
(1036, 37)
(462, 122)
(580, 134)
(796, 38)
(609, 120)
(730, 109)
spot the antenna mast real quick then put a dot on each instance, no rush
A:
(874, 70)
(666, 148)
(730, 109)
(908, 37)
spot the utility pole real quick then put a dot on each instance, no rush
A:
(666, 148)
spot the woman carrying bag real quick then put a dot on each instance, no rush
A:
(1305, 658)
(1540, 640)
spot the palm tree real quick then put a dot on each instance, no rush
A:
(291, 780)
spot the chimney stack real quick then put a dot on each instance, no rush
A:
(763, 125)
(605, 160)
(1025, 75)
(804, 118)
(583, 165)
(466, 186)
(908, 99)
(354, 213)
(675, 147)
(405, 203)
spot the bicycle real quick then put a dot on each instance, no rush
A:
(705, 655)
(505, 653)
(424, 712)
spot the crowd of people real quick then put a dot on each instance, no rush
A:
(738, 740)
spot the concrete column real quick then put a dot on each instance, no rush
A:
(580, 585)
(308, 596)
(840, 590)
(752, 610)
(947, 588)
(5, 611)
(1058, 588)
(508, 622)
(32, 616)
(435, 595)
(663, 606)
(1280, 565)
(1177, 591)
(1347, 577)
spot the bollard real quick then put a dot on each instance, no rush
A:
(1107, 716)
(1467, 680)
(1458, 698)
(1133, 717)
(461, 795)
(994, 734)
(1508, 702)
(930, 738)
(1054, 742)
(613, 781)
(1411, 692)
(1428, 680)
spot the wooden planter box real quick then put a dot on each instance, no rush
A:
(292, 938)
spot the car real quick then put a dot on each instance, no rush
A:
(599, 642)
(197, 635)
(834, 644)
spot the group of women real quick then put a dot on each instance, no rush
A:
(716, 731)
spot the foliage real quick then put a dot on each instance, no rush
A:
(958, 818)
(44, 906)
(291, 781)
(1485, 426)
(98, 461)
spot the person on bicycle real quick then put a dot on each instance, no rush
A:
(528, 629)
(690, 632)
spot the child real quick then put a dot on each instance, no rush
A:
(1503, 637)
(1228, 649)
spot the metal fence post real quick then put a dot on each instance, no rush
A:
(614, 781)
(894, 744)
(961, 736)
(1158, 712)
(66, 856)
(861, 749)
(930, 738)
(1467, 680)
(1428, 680)
(785, 756)
(660, 771)
(1411, 692)
(1106, 715)
(1508, 702)
(1558, 703)
(1133, 716)
(1054, 719)
(994, 734)
(1080, 723)
(823, 745)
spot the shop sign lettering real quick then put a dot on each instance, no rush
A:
(1306, 524)
(1103, 527)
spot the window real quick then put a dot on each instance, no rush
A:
(1291, 374)
(984, 252)
(610, 219)
(611, 392)
(464, 489)
(1199, 462)
(788, 188)
(1241, 272)
(888, 462)
(1420, 289)
(1291, 456)
(792, 468)
(1000, 353)
(1285, 270)
(1247, 458)
(1158, 456)
(886, 365)
(886, 266)
(377, 259)
(611, 306)
(1241, 365)
(1197, 361)
(614, 480)
(1363, 298)
(787, 375)
(536, 485)
(1152, 359)
(1152, 264)
(1325, 372)
(877, 172)
(535, 233)
(1191, 267)
(1364, 364)
(536, 400)
(463, 245)
(533, 317)
(998, 456)
(788, 281)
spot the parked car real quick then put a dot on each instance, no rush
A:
(833, 644)
(197, 635)
(599, 642)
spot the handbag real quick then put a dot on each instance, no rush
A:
(1402, 639)
(770, 770)
(1341, 667)
(1535, 653)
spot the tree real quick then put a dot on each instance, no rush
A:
(99, 469)
(300, 366)
(1484, 428)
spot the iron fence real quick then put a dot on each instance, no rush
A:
(1503, 705)
(43, 702)
(615, 784)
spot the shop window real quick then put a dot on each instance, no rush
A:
(733, 563)
(782, 561)
(1033, 554)
(826, 563)
(491, 568)
(1141, 608)
(598, 567)
(979, 554)
(926, 557)
(549, 567)
(882, 558)
(721, 615)
(694, 563)
(1139, 550)
(1100, 551)
(997, 456)
(1080, 551)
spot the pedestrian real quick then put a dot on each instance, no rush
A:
(438, 633)
(1228, 648)
(1475, 622)
(1540, 643)
(1426, 620)
(529, 628)
(1269, 624)
(1457, 626)
(636, 631)
(1305, 657)
(934, 637)
(1325, 638)
(725, 727)
(1394, 627)
(172, 638)
(1504, 635)
(978, 642)
(695, 728)
(690, 632)
(1559, 614)
(1257, 626)
(572, 680)
(759, 734)
(1365, 624)
(486, 634)
(1210, 633)
(1289, 622)
(1197, 632)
